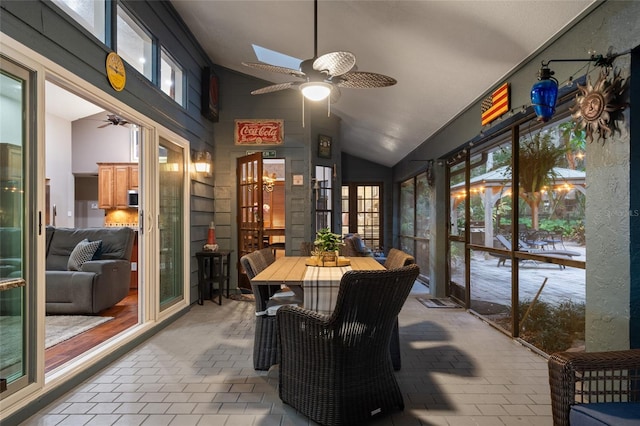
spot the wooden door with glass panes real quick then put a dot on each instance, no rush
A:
(249, 210)
(362, 213)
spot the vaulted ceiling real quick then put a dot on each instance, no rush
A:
(444, 54)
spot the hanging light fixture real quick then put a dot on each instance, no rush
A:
(544, 94)
(315, 91)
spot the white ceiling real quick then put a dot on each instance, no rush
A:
(444, 54)
(66, 105)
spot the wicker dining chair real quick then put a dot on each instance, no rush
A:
(306, 247)
(599, 387)
(397, 259)
(337, 369)
(265, 342)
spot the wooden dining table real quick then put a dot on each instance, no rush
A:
(292, 271)
(319, 284)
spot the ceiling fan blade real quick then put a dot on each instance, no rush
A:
(274, 68)
(275, 88)
(104, 125)
(335, 63)
(364, 80)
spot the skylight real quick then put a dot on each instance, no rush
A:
(272, 57)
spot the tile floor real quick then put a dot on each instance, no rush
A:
(456, 370)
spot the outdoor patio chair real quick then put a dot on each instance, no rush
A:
(554, 237)
(337, 369)
(595, 388)
(524, 247)
(265, 342)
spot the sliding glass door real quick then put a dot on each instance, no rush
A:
(171, 191)
(16, 278)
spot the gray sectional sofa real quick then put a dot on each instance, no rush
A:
(98, 284)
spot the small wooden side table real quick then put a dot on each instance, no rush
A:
(213, 267)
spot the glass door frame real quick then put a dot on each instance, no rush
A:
(32, 228)
(149, 211)
(352, 225)
(457, 239)
(42, 70)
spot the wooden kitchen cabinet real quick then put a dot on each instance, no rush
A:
(133, 177)
(105, 187)
(114, 182)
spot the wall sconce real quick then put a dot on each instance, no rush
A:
(544, 93)
(202, 162)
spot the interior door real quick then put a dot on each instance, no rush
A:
(249, 209)
(362, 213)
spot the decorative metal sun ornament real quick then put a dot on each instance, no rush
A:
(596, 105)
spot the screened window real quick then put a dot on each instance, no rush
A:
(135, 45)
(415, 220)
(528, 217)
(171, 78)
(89, 14)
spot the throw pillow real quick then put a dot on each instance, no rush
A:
(81, 253)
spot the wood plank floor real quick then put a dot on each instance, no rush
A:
(125, 315)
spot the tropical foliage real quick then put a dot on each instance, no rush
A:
(537, 157)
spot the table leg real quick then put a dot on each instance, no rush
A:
(220, 279)
(228, 272)
(200, 279)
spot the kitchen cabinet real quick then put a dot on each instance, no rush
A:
(133, 177)
(114, 182)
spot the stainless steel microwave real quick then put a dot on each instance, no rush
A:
(133, 198)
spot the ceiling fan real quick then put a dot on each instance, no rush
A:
(325, 75)
(114, 120)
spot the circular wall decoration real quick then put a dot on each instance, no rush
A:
(115, 71)
(595, 104)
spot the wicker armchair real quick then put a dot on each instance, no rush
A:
(265, 342)
(354, 247)
(306, 247)
(397, 259)
(337, 369)
(583, 382)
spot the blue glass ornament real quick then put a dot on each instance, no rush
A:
(544, 95)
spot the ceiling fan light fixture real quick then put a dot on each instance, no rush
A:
(315, 91)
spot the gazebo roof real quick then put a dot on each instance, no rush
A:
(502, 177)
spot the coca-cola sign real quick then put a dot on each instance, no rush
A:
(259, 132)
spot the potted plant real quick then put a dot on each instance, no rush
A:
(327, 245)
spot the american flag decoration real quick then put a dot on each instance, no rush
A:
(495, 105)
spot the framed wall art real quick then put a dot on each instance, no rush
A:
(324, 146)
(210, 94)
